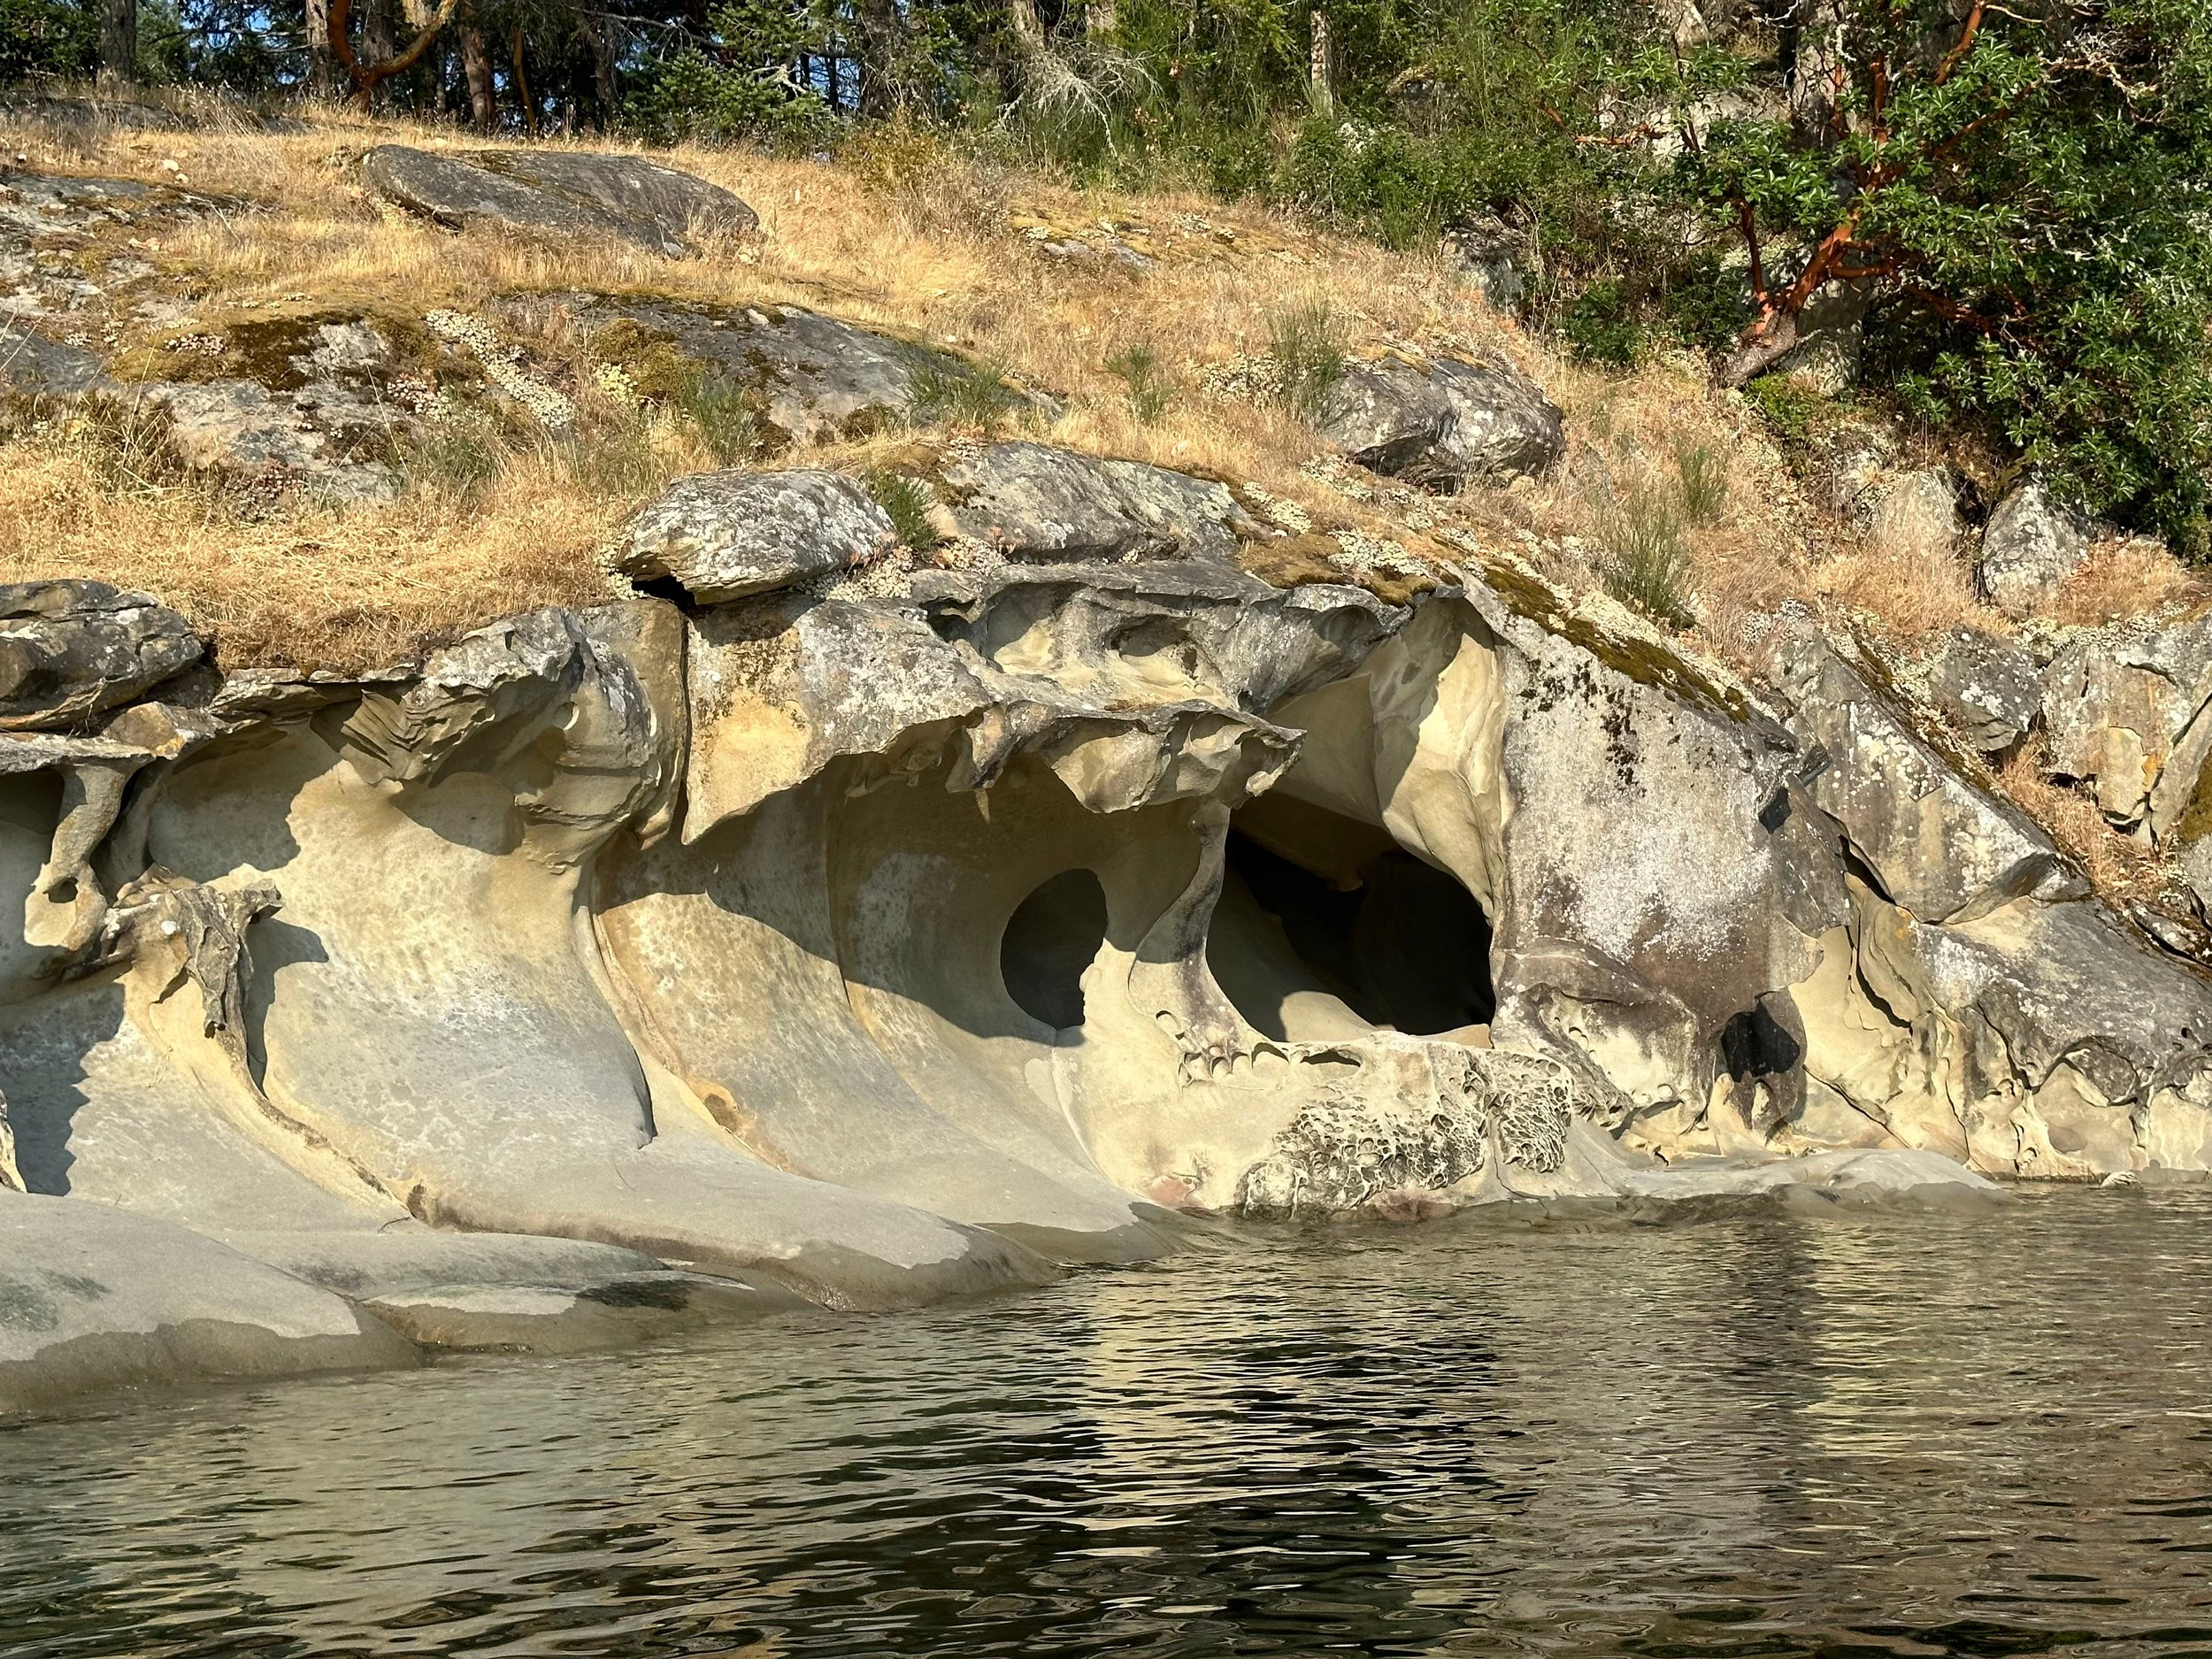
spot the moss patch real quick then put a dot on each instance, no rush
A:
(272, 347)
(1304, 561)
(1644, 662)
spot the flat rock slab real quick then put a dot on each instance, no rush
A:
(568, 1319)
(64, 243)
(724, 535)
(1034, 501)
(31, 361)
(69, 650)
(94, 1300)
(816, 379)
(1454, 420)
(562, 191)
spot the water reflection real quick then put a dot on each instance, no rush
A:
(1758, 1433)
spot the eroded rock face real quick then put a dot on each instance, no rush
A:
(560, 192)
(822, 941)
(1452, 420)
(70, 649)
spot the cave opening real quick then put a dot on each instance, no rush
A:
(1052, 937)
(1391, 939)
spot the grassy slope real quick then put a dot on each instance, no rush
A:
(929, 246)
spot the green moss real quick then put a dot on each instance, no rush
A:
(655, 366)
(272, 348)
(1646, 662)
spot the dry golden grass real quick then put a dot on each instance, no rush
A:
(2123, 578)
(913, 240)
(2118, 867)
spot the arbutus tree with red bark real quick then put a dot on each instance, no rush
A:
(2022, 194)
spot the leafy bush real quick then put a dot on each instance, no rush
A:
(1306, 349)
(47, 37)
(735, 84)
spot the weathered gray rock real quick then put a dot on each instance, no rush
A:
(69, 650)
(725, 535)
(1944, 849)
(1034, 501)
(31, 361)
(814, 379)
(1919, 512)
(2031, 543)
(560, 192)
(325, 439)
(1989, 689)
(1454, 420)
(93, 1299)
(2122, 709)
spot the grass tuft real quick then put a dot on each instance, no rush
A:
(1701, 469)
(1151, 386)
(1645, 564)
(960, 393)
(907, 503)
(1306, 346)
(723, 414)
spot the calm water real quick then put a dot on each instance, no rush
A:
(1753, 1434)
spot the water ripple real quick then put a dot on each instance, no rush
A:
(1861, 1433)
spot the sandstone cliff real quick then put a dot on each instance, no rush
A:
(887, 895)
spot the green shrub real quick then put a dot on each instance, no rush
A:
(1151, 388)
(1601, 325)
(1645, 564)
(1793, 409)
(940, 388)
(1306, 347)
(907, 503)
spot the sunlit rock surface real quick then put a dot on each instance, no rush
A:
(818, 927)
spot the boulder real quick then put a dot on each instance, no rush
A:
(71, 649)
(1454, 420)
(1032, 500)
(720, 536)
(94, 1300)
(559, 192)
(1919, 512)
(2122, 707)
(1990, 690)
(812, 379)
(2031, 543)
(31, 361)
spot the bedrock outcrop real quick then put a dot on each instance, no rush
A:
(838, 925)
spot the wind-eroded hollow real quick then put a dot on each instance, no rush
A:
(1052, 937)
(1393, 940)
